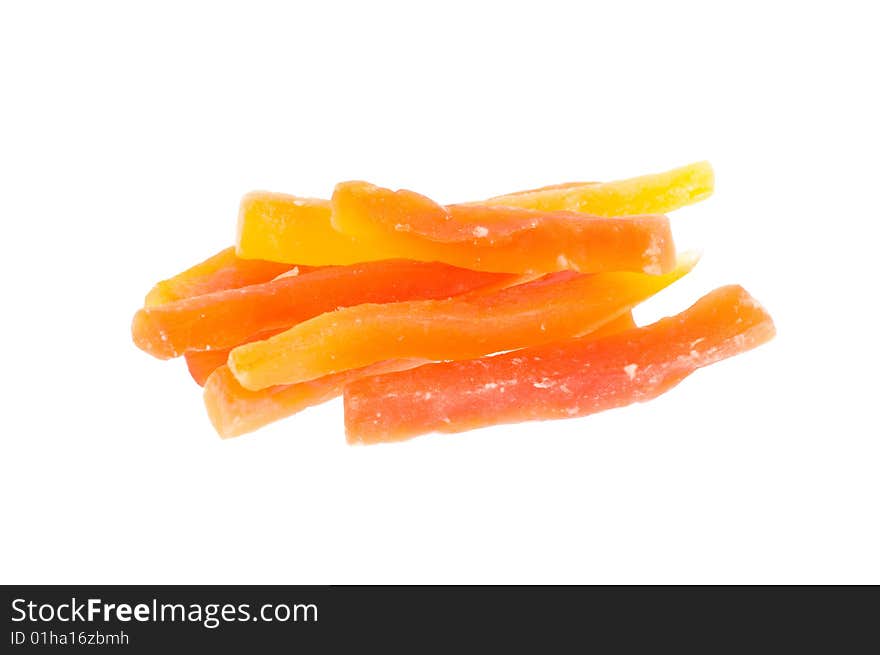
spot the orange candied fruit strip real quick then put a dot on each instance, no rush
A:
(233, 410)
(225, 270)
(496, 238)
(560, 380)
(554, 307)
(228, 318)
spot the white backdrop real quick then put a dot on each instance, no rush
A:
(128, 133)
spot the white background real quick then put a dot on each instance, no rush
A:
(128, 133)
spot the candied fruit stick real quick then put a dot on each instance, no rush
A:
(495, 238)
(234, 410)
(659, 193)
(569, 378)
(228, 318)
(201, 363)
(553, 307)
(222, 271)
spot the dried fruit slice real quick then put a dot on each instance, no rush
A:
(657, 193)
(227, 318)
(496, 238)
(564, 379)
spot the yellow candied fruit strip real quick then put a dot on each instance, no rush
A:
(657, 193)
